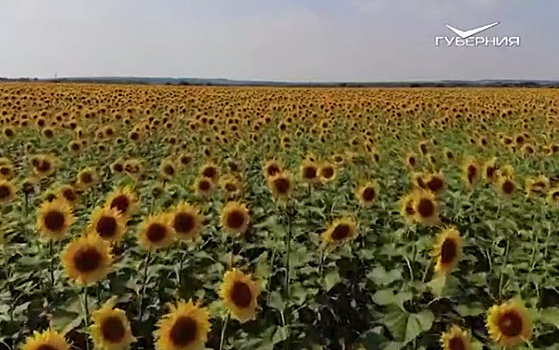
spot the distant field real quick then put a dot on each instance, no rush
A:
(278, 218)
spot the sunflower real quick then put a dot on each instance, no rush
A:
(6, 172)
(46, 340)
(108, 223)
(506, 186)
(86, 259)
(168, 170)
(203, 186)
(7, 191)
(211, 172)
(69, 194)
(506, 171)
(235, 218)
(411, 160)
(117, 167)
(537, 186)
(407, 207)
(281, 185)
(157, 232)
(553, 195)
(230, 185)
(240, 293)
(448, 250)
(417, 180)
(185, 327)
(309, 171)
(425, 208)
(134, 168)
(87, 178)
(456, 339)
(436, 183)
(43, 166)
(54, 219)
(490, 170)
(184, 160)
(340, 231)
(124, 200)
(327, 172)
(187, 222)
(110, 329)
(367, 193)
(510, 323)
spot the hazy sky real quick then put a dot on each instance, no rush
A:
(288, 40)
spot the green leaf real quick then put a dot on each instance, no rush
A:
(280, 335)
(275, 301)
(549, 316)
(395, 320)
(384, 297)
(472, 309)
(418, 323)
(331, 279)
(382, 278)
(437, 284)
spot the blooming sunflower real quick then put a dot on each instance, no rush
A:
(211, 172)
(203, 186)
(123, 199)
(436, 183)
(240, 293)
(490, 170)
(506, 186)
(470, 172)
(281, 185)
(230, 185)
(108, 223)
(46, 340)
(553, 195)
(54, 219)
(69, 194)
(367, 193)
(86, 259)
(272, 167)
(110, 329)
(187, 222)
(235, 218)
(327, 172)
(407, 207)
(456, 339)
(309, 171)
(510, 323)
(185, 327)
(168, 170)
(87, 178)
(537, 186)
(425, 208)
(340, 231)
(157, 232)
(447, 250)
(7, 191)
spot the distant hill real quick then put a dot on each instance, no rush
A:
(228, 82)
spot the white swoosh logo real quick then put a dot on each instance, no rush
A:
(468, 33)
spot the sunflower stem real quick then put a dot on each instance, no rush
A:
(502, 274)
(144, 282)
(288, 252)
(223, 330)
(86, 316)
(26, 205)
(51, 264)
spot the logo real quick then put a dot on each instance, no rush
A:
(466, 38)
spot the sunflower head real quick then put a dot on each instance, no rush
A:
(54, 219)
(240, 293)
(510, 323)
(553, 195)
(230, 185)
(69, 194)
(6, 171)
(506, 186)
(124, 200)
(309, 171)
(7, 191)
(490, 170)
(185, 327)
(435, 183)
(447, 250)
(537, 186)
(46, 340)
(110, 329)
(367, 193)
(470, 172)
(327, 172)
(272, 167)
(340, 231)
(281, 185)
(425, 208)
(187, 222)
(211, 172)
(235, 218)
(87, 178)
(86, 259)
(157, 232)
(456, 339)
(168, 169)
(108, 223)
(203, 186)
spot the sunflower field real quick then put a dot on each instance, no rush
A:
(188, 218)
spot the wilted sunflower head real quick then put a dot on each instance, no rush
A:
(510, 323)
(235, 218)
(54, 219)
(447, 250)
(281, 185)
(108, 223)
(187, 222)
(240, 293)
(124, 200)
(340, 231)
(86, 259)
(185, 327)
(157, 232)
(110, 329)
(456, 339)
(7, 191)
(367, 193)
(425, 208)
(46, 340)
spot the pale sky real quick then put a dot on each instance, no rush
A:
(284, 40)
